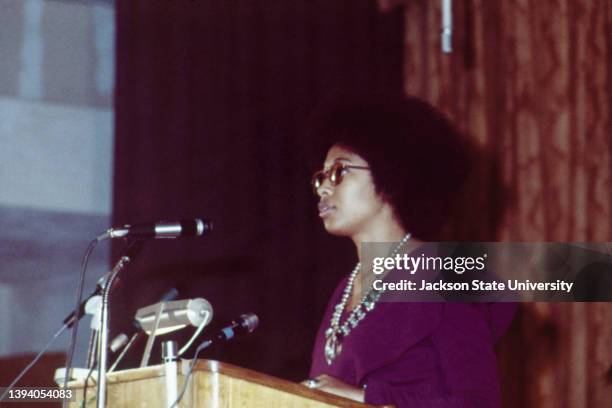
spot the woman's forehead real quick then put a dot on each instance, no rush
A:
(341, 154)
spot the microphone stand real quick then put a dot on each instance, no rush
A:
(121, 264)
(67, 323)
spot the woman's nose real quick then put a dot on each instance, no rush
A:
(325, 189)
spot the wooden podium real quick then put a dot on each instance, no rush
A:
(212, 384)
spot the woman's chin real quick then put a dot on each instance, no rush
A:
(335, 229)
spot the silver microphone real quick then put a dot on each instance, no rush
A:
(161, 229)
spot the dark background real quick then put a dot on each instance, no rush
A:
(211, 101)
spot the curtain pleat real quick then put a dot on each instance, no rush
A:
(212, 98)
(532, 81)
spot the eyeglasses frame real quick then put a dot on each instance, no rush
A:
(327, 174)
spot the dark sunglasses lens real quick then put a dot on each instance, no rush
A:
(336, 173)
(317, 180)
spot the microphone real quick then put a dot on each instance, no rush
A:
(245, 324)
(161, 229)
(122, 339)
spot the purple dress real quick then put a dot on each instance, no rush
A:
(420, 354)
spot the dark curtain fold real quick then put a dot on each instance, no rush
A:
(211, 101)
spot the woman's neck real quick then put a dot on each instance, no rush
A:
(380, 232)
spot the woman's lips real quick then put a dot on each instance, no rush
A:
(325, 209)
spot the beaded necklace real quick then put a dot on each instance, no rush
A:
(336, 332)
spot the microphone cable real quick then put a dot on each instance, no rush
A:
(77, 307)
(248, 322)
(191, 365)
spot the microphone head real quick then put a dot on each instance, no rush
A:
(202, 226)
(249, 322)
(161, 229)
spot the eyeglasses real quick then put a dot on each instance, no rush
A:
(334, 174)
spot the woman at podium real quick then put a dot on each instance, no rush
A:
(392, 173)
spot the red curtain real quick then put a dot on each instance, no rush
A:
(532, 81)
